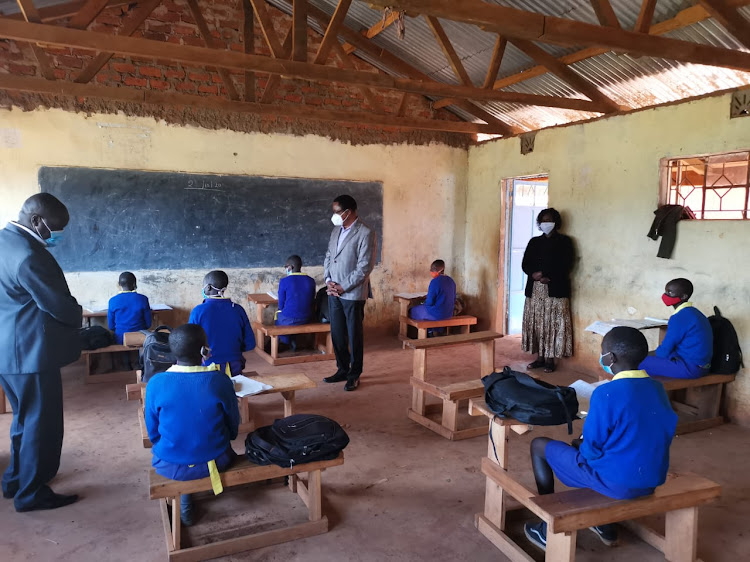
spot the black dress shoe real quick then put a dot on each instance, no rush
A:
(338, 377)
(351, 384)
(52, 502)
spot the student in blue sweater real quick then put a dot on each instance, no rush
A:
(687, 348)
(624, 451)
(296, 298)
(191, 415)
(441, 296)
(225, 322)
(128, 311)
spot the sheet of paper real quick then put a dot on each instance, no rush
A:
(600, 327)
(272, 295)
(245, 386)
(584, 390)
(93, 309)
(638, 323)
(160, 306)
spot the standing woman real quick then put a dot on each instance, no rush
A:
(547, 326)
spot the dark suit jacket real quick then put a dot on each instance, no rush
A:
(39, 318)
(553, 256)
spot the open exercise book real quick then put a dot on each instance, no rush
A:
(602, 328)
(244, 386)
(584, 390)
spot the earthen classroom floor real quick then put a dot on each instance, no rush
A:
(403, 494)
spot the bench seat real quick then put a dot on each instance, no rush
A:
(323, 342)
(240, 473)
(133, 341)
(464, 322)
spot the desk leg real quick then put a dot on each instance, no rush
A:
(176, 522)
(275, 347)
(681, 535)
(404, 311)
(417, 396)
(561, 547)
(289, 403)
(494, 500)
(487, 350)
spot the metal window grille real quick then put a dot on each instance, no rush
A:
(712, 187)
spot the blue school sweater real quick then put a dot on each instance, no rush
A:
(628, 431)
(128, 312)
(441, 297)
(191, 414)
(689, 337)
(227, 327)
(297, 297)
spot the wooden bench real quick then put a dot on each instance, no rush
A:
(132, 341)
(285, 384)
(697, 402)
(323, 343)
(168, 492)
(451, 395)
(463, 322)
(569, 511)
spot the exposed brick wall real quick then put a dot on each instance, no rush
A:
(172, 22)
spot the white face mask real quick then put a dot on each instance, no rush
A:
(546, 227)
(338, 220)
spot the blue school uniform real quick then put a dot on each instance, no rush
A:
(687, 348)
(228, 329)
(440, 301)
(296, 301)
(128, 311)
(626, 439)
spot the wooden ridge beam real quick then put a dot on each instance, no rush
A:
(88, 12)
(129, 26)
(299, 27)
(375, 30)
(31, 14)
(645, 17)
(521, 24)
(53, 35)
(248, 44)
(605, 13)
(566, 74)
(132, 95)
(731, 20)
(448, 50)
(67, 10)
(332, 31)
(226, 77)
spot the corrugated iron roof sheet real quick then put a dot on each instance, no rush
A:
(632, 82)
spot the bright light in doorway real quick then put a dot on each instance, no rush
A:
(482, 137)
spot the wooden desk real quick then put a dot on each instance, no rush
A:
(88, 315)
(405, 300)
(261, 301)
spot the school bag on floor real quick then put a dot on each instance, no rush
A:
(296, 439)
(321, 306)
(95, 337)
(511, 394)
(727, 355)
(156, 355)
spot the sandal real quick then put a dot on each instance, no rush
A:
(549, 366)
(538, 364)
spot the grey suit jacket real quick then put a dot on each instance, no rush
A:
(39, 318)
(350, 266)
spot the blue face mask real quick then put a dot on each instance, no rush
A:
(289, 271)
(55, 236)
(607, 368)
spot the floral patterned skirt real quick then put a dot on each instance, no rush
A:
(547, 325)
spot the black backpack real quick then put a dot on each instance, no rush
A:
(296, 439)
(516, 395)
(156, 355)
(95, 337)
(727, 355)
(321, 306)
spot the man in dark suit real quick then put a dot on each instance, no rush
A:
(39, 320)
(349, 261)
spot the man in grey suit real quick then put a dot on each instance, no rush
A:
(348, 264)
(39, 321)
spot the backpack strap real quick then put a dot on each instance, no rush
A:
(717, 312)
(494, 449)
(559, 395)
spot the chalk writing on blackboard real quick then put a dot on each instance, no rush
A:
(209, 185)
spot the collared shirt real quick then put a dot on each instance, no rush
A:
(193, 368)
(635, 374)
(27, 229)
(344, 233)
(683, 305)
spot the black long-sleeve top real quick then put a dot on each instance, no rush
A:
(553, 256)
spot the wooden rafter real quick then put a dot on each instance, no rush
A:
(448, 50)
(532, 26)
(278, 51)
(275, 79)
(129, 26)
(730, 19)
(88, 12)
(299, 26)
(375, 30)
(226, 77)
(31, 14)
(565, 73)
(35, 85)
(53, 35)
(605, 13)
(645, 16)
(331, 34)
(402, 104)
(497, 59)
(67, 10)
(248, 44)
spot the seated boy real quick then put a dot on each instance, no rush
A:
(128, 311)
(191, 415)
(296, 298)
(226, 324)
(441, 296)
(687, 348)
(624, 452)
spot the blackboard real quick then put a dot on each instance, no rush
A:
(134, 220)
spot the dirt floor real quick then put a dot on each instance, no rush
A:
(404, 493)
